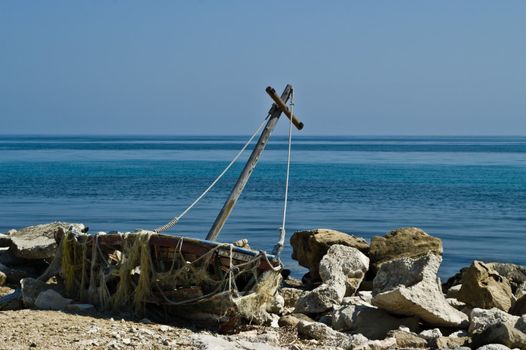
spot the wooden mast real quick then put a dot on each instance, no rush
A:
(275, 112)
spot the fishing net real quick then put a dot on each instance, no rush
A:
(143, 269)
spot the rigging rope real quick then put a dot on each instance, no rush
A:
(279, 246)
(176, 219)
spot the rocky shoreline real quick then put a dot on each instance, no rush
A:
(356, 295)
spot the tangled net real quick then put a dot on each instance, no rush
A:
(136, 270)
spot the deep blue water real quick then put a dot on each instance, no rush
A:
(469, 191)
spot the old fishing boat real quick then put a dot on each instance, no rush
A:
(149, 270)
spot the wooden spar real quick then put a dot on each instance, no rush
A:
(272, 93)
(275, 112)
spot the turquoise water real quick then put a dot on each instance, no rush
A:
(469, 191)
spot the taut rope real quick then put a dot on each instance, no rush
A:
(176, 219)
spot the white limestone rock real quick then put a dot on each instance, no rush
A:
(410, 287)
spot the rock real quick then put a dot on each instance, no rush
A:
(291, 282)
(325, 334)
(449, 343)
(277, 305)
(408, 340)
(371, 322)
(459, 305)
(341, 270)
(291, 296)
(459, 334)
(14, 275)
(51, 300)
(494, 347)
(410, 287)
(387, 343)
(431, 334)
(483, 287)
(309, 247)
(406, 242)
(344, 264)
(519, 307)
(521, 291)
(31, 288)
(497, 326)
(453, 291)
(38, 242)
(515, 274)
(321, 299)
(5, 240)
(292, 320)
(80, 307)
(11, 301)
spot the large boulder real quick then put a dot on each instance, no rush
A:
(406, 242)
(495, 326)
(341, 269)
(410, 287)
(38, 242)
(483, 287)
(370, 321)
(309, 247)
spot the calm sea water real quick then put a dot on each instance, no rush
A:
(469, 191)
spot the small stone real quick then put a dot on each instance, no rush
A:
(408, 340)
(292, 320)
(431, 334)
(494, 347)
(449, 343)
(164, 328)
(291, 296)
(324, 333)
(3, 278)
(386, 344)
(453, 291)
(80, 307)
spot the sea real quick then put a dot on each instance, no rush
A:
(469, 191)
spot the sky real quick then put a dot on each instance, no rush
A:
(451, 67)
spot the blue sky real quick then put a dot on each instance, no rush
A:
(201, 67)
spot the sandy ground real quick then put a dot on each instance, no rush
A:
(39, 329)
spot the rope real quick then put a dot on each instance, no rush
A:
(176, 219)
(279, 246)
